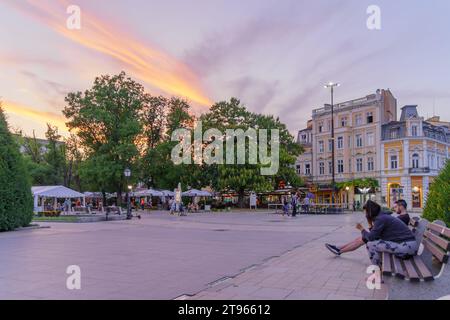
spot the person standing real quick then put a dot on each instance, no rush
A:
(294, 205)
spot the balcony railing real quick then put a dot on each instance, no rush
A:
(419, 170)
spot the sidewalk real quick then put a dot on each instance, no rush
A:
(307, 272)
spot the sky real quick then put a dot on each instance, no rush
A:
(274, 55)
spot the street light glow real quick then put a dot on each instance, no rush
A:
(331, 85)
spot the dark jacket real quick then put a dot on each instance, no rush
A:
(388, 228)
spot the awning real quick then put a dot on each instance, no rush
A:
(55, 192)
(147, 193)
(196, 193)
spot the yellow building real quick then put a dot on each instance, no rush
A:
(403, 156)
(414, 151)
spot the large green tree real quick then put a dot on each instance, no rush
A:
(247, 177)
(438, 200)
(106, 120)
(54, 156)
(157, 168)
(16, 202)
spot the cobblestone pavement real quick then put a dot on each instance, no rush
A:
(202, 256)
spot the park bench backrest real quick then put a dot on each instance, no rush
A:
(419, 226)
(436, 242)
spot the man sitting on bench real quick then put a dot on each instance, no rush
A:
(399, 207)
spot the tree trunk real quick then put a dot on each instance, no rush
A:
(241, 195)
(119, 197)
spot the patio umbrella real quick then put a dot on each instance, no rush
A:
(147, 193)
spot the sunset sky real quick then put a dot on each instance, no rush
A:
(273, 55)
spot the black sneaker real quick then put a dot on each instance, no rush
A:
(333, 249)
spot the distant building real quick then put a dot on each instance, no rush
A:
(403, 156)
(357, 126)
(43, 143)
(414, 150)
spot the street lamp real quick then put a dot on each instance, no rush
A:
(127, 174)
(331, 86)
(347, 188)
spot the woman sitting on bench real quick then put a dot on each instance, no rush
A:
(388, 234)
(399, 208)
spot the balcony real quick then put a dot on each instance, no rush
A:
(419, 170)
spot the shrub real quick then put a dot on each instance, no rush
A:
(438, 201)
(16, 201)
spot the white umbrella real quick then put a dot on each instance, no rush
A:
(196, 193)
(168, 193)
(147, 193)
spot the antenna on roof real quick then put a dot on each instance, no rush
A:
(434, 106)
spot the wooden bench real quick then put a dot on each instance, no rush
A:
(428, 265)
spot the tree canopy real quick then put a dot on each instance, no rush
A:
(16, 202)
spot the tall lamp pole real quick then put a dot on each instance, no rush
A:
(127, 174)
(331, 86)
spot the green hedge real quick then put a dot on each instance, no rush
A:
(438, 200)
(16, 201)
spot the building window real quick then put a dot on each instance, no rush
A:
(370, 139)
(415, 161)
(307, 169)
(359, 141)
(321, 168)
(349, 165)
(330, 167)
(358, 119)
(414, 131)
(349, 142)
(340, 142)
(394, 162)
(394, 133)
(320, 127)
(343, 121)
(330, 145)
(299, 169)
(304, 138)
(340, 165)
(369, 117)
(321, 147)
(370, 164)
(328, 125)
(359, 165)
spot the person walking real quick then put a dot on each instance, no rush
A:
(294, 205)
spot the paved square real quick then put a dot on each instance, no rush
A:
(201, 256)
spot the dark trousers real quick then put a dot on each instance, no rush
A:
(294, 210)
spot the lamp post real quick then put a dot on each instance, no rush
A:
(347, 188)
(127, 174)
(331, 86)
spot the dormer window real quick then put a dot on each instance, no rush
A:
(414, 131)
(369, 117)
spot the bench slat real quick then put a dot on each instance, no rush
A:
(398, 268)
(386, 264)
(437, 253)
(441, 242)
(423, 269)
(439, 229)
(411, 272)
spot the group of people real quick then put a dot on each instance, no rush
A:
(295, 204)
(386, 233)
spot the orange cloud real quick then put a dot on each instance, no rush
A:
(151, 65)
(40, 116)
